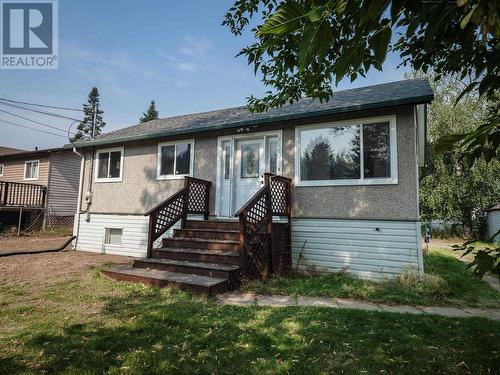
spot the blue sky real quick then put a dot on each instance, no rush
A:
(175, 52)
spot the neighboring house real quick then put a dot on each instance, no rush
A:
(494, 223)
(40, 185)
(353, 162)
(9, 150)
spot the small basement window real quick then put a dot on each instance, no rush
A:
(113, 236)
(175, 160)
(109, 165)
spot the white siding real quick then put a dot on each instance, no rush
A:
(134, 237)
(494, 224)
(357, 246)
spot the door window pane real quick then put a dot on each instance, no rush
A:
(376, 150)
(103, 165)
(114, 165)
(250, 161)
(273, 155)
(330, 153)
(183, 156)
(227, 159)
(167, 160)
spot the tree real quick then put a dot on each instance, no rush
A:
(450, 188)
(150, 114)
(303, 46)
(86, 128)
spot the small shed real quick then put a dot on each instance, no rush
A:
(494, 222)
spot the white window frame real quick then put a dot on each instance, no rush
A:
(2, 169)
(159, 176)
(109, 244)
(37, 170)
(393, 140)
(97, 161)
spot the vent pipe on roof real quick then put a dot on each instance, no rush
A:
(36, 148)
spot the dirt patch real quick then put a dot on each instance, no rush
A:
(39, 270)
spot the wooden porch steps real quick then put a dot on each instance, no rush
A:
(202, 257)
(201, 284)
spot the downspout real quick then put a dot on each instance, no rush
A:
(76, 224)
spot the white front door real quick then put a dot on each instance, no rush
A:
(248, 169)
(242, 161)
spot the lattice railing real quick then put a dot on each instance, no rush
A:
(193, 198)
(263, 252)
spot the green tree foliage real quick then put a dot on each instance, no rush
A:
(450, 188)
(150, 114)
(92, 109)
(302, 47)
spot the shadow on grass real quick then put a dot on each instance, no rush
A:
(153, 331)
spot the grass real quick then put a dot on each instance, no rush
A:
(91, 324)
(447, 282)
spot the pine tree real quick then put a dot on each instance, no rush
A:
(150, 114)
(86, 127)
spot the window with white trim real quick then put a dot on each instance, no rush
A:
(175, 159)
(31, 169)
(113, 236)
(349, 153)
(2, 167)
(109, 164)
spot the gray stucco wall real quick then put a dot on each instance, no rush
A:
(139, 190)
(370, 201)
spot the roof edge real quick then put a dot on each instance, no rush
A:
(164, 133)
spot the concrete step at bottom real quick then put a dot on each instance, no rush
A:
(160, 278)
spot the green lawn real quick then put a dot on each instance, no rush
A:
(91, 324)
(447, 282)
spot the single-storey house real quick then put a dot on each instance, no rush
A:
(332, 185)
(38, 186)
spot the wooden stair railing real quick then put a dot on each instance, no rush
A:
(256, 219)
(18, 194)
(193, 198)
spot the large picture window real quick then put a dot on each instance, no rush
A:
(175, 159)
(356, 152)
(109, 165)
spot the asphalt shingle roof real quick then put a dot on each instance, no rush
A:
(412, 91)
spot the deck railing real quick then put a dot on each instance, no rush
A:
(193, 198)
(15, 194)
(260, 255)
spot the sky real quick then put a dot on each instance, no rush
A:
(175, 52)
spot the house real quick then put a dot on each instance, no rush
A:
(345, 192)
(39, 187)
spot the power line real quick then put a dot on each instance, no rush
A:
(34, 121)
(39, 111)
(29, 127)
(42, 105)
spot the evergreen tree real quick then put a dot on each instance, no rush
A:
(86, 128)
(150, 114)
